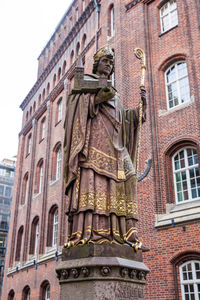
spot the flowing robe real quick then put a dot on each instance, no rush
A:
(101, 183)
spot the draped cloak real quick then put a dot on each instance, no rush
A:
(100, 156)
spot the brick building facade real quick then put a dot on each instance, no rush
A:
(168, 196)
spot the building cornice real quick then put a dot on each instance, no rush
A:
(57, 90)
(68, 40)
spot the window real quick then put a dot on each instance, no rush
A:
(83, 43)
(42, 128)
(8, 191)
(64, 67)
(28, 145)
(11, 295)
(24, 189)
(59, 111)
(1, 190)
(45, 290)
(54, 80)
(58, 163)
(190, 280)
(43, 95)
(19, 243)
(177, 85)
(34, 236)
(26, 293)
(59, 73)
(48, 88)
(168, 15)
(83, 5)
(77, 14)
(111, 21)
(186, 175)
(39, 177)
(78, 49)
(52, 233)
(55, 228)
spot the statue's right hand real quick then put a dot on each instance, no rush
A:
(105, 94)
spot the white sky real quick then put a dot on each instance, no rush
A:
(25, 28)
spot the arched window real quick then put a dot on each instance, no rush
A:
(111, 21)
(24, 189)
(77, 49)
(72, 57)
(64, 67)
(39, 100)
(42, 128)
(30, 110)
(19, 243)
(54, 80)
(83, 5)
(48, 88)
(34, 236)
(177, 84)
(29, 144)
(56, 162)
(45, 290)
(190, 280)
(52, 234)
(59, 111)
(26, 293)
(83, 43)
(186, 175)
(34, 106)
(168, 15)
(39, 177)
(11, 295)
(43, 95)
(27, 116)
(59, 73)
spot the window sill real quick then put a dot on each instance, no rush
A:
(163, 112)
(41, 140)
(54, 181)
(181, 213)
(163, 33)
(58, 122)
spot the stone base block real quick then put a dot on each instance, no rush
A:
(101, 272)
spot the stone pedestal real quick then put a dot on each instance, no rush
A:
(102, 272)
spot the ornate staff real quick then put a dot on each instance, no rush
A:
(139, 53)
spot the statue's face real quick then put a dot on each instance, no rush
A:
(105, 66)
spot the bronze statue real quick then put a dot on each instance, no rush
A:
(100, 161)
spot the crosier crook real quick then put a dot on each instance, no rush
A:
(139, 53)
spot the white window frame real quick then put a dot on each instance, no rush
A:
(43, 128)
(55, 228)
(36, 238)
(29, 144)
(193, 281)
(47, 292)
(186, 169)
(83, 5)
(59, 107)
(112, 20)
(177, 80)
(58, 163)
(41, 178)
(168, 14)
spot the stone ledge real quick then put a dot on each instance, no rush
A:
(177, 214)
